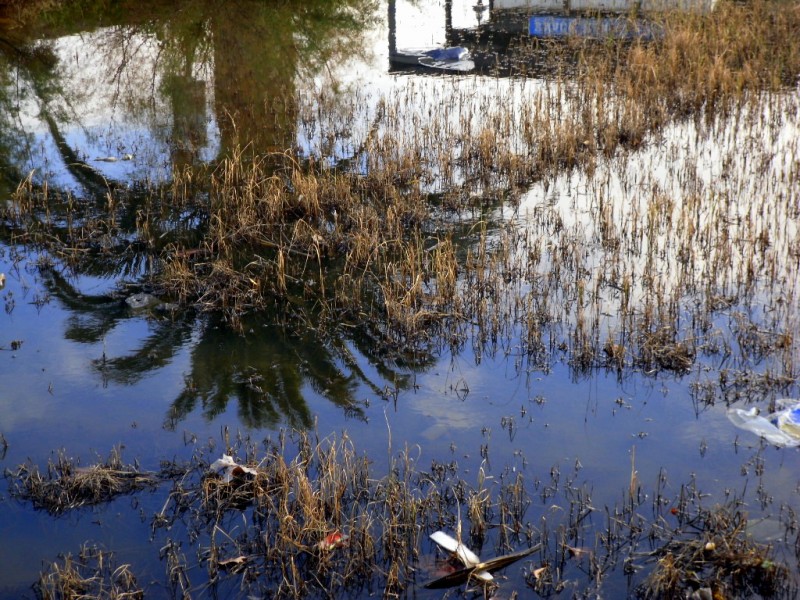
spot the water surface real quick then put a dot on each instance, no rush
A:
(121, 100)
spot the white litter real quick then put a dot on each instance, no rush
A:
(467, 557)
(229, 469)
(781, 427)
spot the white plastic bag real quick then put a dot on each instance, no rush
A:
(229, 469)
(781, 428)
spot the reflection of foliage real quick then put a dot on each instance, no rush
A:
(91, 317)
(257, 51)
(18, 66)
(265, 370)
(310, 34)
(349, 20)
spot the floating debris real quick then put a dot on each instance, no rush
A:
(112, 159)
(233, 564)
(333, 540)
(467, 557)
(229, 469)
(486, 568)
(2, 280)
(537, 573)
(578, 552)
(781, 427)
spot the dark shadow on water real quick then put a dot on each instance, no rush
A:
(269, 370)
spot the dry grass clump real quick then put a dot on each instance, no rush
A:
(719, 557)
(660, 350)
(93, 573)
(290, 235)
(66, 485)
(689, 551)
(315, 521)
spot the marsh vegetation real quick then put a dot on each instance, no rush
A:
(623, 208)
(320, 524)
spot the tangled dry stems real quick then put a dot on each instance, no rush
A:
(387, 246)
(720, 556)
(93, 573)
(66, 485)
(321, 525)
(384, 245)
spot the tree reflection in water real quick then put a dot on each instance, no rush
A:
(265, 369)
(158, 63)
(256, 52)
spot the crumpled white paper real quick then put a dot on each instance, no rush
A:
(781, 427)
(229, 469)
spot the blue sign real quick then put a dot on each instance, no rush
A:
(551, 26)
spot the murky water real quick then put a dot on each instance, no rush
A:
(122, 101)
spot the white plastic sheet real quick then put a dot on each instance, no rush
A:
(781, 427)
(229, 469)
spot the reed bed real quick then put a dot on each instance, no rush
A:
(721, 559)
(304, 517)
(317, 525)
(405, 221)
(636, 211)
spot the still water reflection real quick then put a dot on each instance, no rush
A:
(163, 86)
(102, 100)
